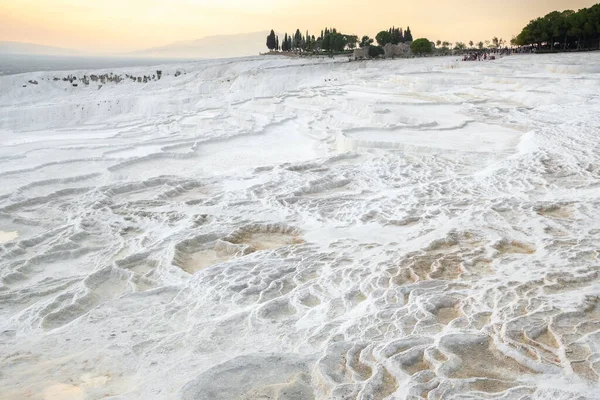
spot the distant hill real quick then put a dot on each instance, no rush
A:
(31, 48)
(220, 46)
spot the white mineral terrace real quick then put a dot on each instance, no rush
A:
(295, 229)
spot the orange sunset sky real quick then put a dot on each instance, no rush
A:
(124, 25)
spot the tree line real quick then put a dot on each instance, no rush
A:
(495, 43)
(330, 40)
(566, 30)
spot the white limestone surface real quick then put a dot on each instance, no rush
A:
(297, 229)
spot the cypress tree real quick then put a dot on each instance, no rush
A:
(326, 45)
(298, 39)
(271, 41)
(408, 35)
(307, 42)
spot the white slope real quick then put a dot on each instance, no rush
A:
(295, 229)
(218, 46)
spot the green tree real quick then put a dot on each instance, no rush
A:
(471, 44)
(480, 45)
(351, 40)
(318, 43)
(564, 27)
(408, 37)
(288, 43)
(421, 46)
(524, 38)
(552, 25)
(558, 25)
(438, 43)
(298, 40)
(306, 43)
(397, 36)
(334, 41)
(592, 25)
(568, 28)
(589, 29)
(460, 46)
(326, 43)
(576, 22)
(541, 31)
(366, 41)
(271, 41)
(338, 41)
(383, 38)
(375, 51)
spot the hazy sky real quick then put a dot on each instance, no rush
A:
(122, 25)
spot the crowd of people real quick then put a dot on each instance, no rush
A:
(488, 54)
(478, 56)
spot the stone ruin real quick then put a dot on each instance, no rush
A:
(397, 50)
(361, 53)
(390, 51)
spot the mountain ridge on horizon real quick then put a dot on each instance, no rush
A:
(16, 47)
(214, 46)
